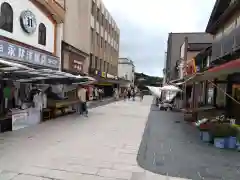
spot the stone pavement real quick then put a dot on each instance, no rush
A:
(103, 146)
(171, 146)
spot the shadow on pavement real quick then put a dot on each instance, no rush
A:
(172, 147)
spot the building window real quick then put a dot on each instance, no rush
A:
(97, 37)
(98, 14)
(103, 20)
(107, 70)
(105, 45)
(93, 8)
(92, 35)
(109, 28)
(91, 61)
(100, 64)
(104, 66)
(96, 62)
(42, 34)
(101, 42)
(6, 18)
(106, 25)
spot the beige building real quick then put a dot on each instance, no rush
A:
(90, 38)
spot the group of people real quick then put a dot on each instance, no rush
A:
(98, 93)
(131, 93)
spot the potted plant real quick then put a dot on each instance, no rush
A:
(238, 139)
(220, 134)
(224, 136)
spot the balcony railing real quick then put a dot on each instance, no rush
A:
(227, 45)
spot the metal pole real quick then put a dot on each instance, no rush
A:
(184, 67)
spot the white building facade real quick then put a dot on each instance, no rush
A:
(29, 34)
(126, 70)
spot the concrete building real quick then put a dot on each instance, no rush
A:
(174, 43)
(29, 32)
(126, 70)
(90, 39)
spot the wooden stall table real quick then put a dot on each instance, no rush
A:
(61, 105)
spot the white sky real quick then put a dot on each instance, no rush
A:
(143, 22)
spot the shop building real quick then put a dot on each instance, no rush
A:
(76, 37)
(30, 32)
(220, 63)
(174, 43)
(104, 39)
(126, 70)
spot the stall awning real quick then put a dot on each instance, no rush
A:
(218, 71)
(21, 73)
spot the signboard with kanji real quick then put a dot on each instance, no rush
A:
(22, 54)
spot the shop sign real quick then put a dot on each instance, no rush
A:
(103, 74)
(77, 65)
(28, 22)
(190, 67)
(26, 55)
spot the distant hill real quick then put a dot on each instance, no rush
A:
(142, 80)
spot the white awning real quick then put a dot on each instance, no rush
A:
(21, 73)
(13, 65)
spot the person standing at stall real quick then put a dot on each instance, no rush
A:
(129, 93)
(82, 92)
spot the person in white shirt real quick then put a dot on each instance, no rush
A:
(83, 100)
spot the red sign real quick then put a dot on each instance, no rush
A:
(190, 67)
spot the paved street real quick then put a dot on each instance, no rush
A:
(101, 147)
(105, 146)
(171, 146)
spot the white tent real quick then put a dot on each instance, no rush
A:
(170, 88)
(155, 91)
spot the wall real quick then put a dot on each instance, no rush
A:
(229, 26)
(59, 39)
(19, 35)
(77, 24)
(175, 40)
(126, 69)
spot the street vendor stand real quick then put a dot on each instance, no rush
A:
(29, 111)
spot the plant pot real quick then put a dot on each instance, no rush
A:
(206, 136)
(220, 142)
(231, 143)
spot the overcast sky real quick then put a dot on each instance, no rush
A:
(145, 24)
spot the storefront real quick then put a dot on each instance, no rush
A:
(73, 60)
(105, 81)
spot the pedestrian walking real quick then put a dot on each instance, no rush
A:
(133, 94)
(82, 92)
(129, 94)
(141, 95)
(96, 94)
(100, 93)
(125, 94)
(116, 95)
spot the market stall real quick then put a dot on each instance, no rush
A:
(24, 94)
